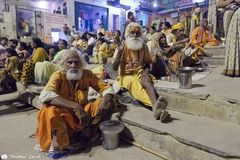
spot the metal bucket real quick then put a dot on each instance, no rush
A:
(185, 77)
(110, 133)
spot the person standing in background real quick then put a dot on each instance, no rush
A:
(130, 19)
(195, 20)
(101, 29)
(232, 49)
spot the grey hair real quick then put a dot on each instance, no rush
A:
(68, 53)
(127, 32)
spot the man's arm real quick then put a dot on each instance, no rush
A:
(238, 1)
(50, 94)
(59, 101)
(97, 84)
(83, 117)
(117, 60)
(224, 3)
(51, 98)
(194, 38)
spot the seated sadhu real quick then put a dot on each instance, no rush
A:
(201, 37)
(103, 52)
(66, 109)
(133, 61)
(181, 37)
(11, 64)
(165, 59)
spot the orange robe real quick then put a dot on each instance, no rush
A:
(200, 35)
(63, 119)
(200, 38)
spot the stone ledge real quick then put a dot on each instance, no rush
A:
(182, 93)
(204, 134)
(9, 97)
(215, 47)
(33, 88)
(215, 50)
(205, 105)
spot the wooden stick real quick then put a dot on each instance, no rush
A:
(143, 148)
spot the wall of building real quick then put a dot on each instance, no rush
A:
(8, 27)
(53, 23)
(102, 3)
(38, 5)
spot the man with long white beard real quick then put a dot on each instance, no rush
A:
(133, 61)
(66, 110)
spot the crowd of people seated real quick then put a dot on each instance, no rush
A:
(169, 49)
(36, 61)
(134, 60)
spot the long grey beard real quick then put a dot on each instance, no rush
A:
(134, 43)
(74, 74)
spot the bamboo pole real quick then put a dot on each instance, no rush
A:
(143, 148)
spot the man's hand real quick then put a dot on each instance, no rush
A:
(106, 104)
(145, 80)
(117, 59)
(84, 117)
(120, 47)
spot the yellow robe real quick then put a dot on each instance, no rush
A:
(169, 36)
(102, 54)
(83, 45)
(39, 55)
(131, 67)
(153, 42)
(13, 67)
(63, 119)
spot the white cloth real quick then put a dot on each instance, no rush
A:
(47, 96)
(91, 41)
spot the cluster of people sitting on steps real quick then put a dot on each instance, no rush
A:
(134, 60)
(169, 48)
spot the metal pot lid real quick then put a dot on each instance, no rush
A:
(111, 127)
(186, 69)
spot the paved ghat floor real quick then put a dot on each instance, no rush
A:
(18, 122)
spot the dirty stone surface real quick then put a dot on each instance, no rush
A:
(19, 121)
(214, 84)
(218, 137)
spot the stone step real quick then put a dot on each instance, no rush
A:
(190, 101)
(33, 88)
(9, 97)
(202, 104)
(184, 137)
(215, 50)
(215, 60)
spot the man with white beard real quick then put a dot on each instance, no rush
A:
(66, 110)
(133, 61)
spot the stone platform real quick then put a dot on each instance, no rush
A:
(185, 137)
(216, 55)
(205, 119)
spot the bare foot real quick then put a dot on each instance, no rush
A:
(164, 115)
(159, 107)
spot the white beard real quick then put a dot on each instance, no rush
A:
(134, 43)
(74, 74)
